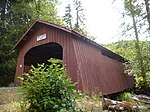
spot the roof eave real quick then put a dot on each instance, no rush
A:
(71, 32)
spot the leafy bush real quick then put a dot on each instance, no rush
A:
(124, 96)
(143, 85)
(49, 89)
(7, 72)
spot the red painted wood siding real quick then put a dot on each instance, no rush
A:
(53, 35)
(84, 62)
(98, 71)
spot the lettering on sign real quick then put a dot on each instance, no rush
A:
(41, 37)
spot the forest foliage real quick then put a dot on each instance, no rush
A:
(136, 27)
(15, 17)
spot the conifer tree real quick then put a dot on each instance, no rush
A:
(80, 17)
(15, 17)
(68, 16)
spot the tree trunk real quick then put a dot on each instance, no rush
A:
(147, 6)
(38, 9)
(137, 41)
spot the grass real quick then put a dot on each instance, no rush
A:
(10, 101)
(90, 103)
(7, 95)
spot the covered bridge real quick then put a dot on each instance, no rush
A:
(88, 63)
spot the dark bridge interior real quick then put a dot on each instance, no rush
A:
(42, 53)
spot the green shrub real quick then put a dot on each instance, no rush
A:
(124, 96)
(7, 71)
(142, 85)
(49, 89)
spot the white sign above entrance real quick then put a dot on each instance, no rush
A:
(41, 37)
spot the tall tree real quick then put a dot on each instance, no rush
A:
(38, 8)
(79, 25)
(46, 10)
(130, 7)
(15, 18)
(68, 16)
(136, 27)
(147, 7)
(80, 17)
(142, 13)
